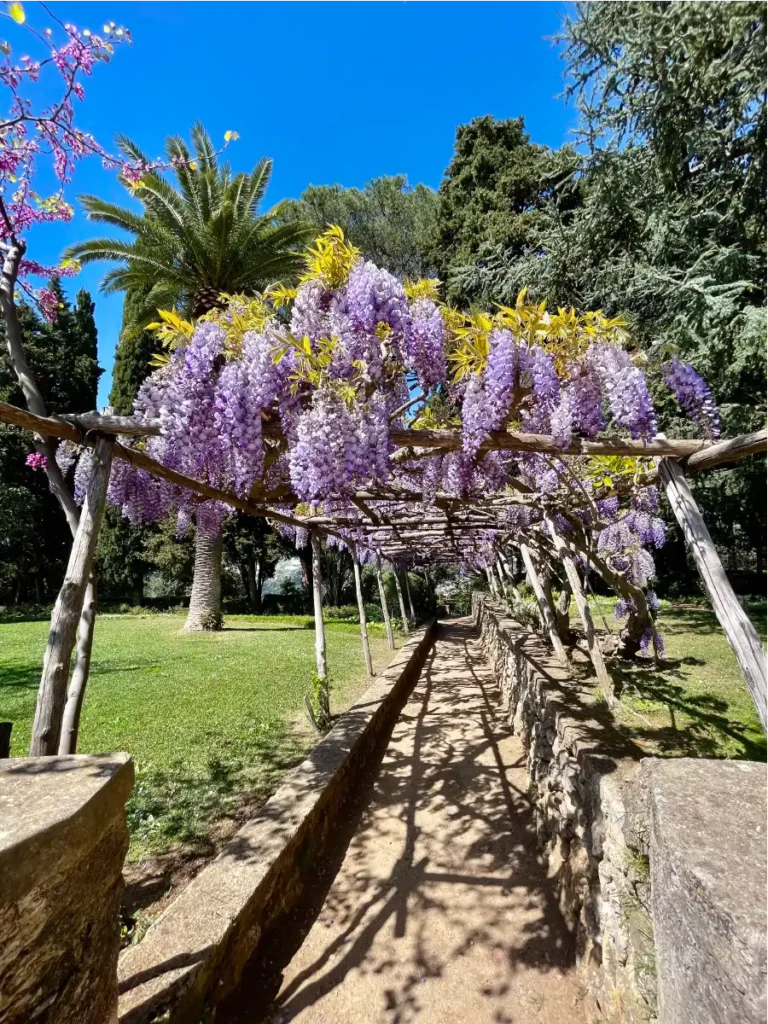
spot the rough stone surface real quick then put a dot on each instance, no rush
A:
(194, 955)
(590, 814)
(441, 911)
(63, 839)
(708, 871)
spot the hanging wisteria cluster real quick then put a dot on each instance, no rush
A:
(290, 399)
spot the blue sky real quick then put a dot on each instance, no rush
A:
(333, 92)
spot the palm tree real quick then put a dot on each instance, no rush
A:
(192, 241)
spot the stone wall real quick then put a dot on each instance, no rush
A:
(641, 894)
(63, 839)
(194, 955)
(582, 774)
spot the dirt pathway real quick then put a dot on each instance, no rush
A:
(441, 910)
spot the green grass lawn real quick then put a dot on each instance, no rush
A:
(211, 719)
(697, 705)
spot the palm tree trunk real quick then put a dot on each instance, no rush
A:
(205, 600)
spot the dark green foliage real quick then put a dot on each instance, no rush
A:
(134, 352)
(255, 549)
(391, 223)
(34, 537)
(664, 222)
(493, 199)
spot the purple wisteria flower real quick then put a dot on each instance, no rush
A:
(625, 389)
(693, 395)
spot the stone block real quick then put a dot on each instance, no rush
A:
(708, 880)
(63, 839)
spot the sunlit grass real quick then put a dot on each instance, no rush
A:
(697, 704)
(210, 718)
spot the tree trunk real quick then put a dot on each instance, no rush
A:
(361, 612)
(401, 602)
(385, 608)
(512, 587)
(603, 677)
(410, 599)
(250, 575)
(68, 609)
(546, 610)
(70, 723)
(639, 620)
(205, 600)
(738, 629)
(320, 714)
(44, 445)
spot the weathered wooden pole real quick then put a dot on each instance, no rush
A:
(67, 610)
(321, 659)
(384, 606)
(492, 583)
(547, 612)
(603, 677)
(500, 574)
(401, 602)
(738, 629)
(410, 599)
(511, 586)
(361, 613)
(70, 723)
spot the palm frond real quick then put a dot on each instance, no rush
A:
(102, 212)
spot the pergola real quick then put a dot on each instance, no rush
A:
(396, 524)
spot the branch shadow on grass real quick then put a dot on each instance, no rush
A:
(700, 724)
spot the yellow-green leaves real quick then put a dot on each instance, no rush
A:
(231, 136)
(425, 288)
(171, 331)
(16, 11)
(332, 258)
(607, 470)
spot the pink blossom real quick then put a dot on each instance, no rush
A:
(49, 305)
(37, 461)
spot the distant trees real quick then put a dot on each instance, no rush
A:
(493, 202)
(391, 222)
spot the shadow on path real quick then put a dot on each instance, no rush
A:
(435, 905)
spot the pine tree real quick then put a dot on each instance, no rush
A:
(493, 199)
(132, 358)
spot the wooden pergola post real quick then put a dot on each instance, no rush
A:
(401, 602)
(384, 606)
(738, 629)
(70, 724)
(603, 677)
(321, 659)
(546, 610)
(408, 595)
(66, 613)
(320, 715)
(361, 613)
(490, 576)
